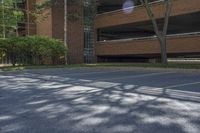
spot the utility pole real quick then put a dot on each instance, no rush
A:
(3, 19)
(65, 28)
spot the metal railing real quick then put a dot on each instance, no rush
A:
(4, 59)
(153, 37)
(137, 6)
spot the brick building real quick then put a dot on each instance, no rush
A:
(121, 35)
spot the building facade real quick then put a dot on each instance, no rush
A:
(123, 34)
(51, 24)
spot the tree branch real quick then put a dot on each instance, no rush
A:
(168, 7)
(151, 16)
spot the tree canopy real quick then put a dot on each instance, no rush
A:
(11, 17)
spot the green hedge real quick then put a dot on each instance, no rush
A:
(33, 50)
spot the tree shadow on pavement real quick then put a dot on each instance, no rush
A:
(63, 104)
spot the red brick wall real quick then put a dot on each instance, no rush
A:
(53, 26)
(58, 21)
(31, 27)
(44, 26)
(76, 36)
(75, 31)
(185, 44)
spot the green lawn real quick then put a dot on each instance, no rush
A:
(142, 65)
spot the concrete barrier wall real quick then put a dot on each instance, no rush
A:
(177, 44)
(139, 14)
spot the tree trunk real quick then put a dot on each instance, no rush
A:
(161, 35)
(163, 49)
(13, 59)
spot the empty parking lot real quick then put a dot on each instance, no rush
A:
(95, 100)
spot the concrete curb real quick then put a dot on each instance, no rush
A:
(178, 70)
(154, 69)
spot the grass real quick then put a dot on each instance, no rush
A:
(143, 65)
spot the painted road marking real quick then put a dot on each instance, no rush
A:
(137, 76)
(87, 73)
(181, 85)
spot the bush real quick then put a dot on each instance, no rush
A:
(34, 50)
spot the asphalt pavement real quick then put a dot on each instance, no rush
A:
(95, 100)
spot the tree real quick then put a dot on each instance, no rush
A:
(161, 34)
(10, 17)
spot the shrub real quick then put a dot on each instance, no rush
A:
(34, 50)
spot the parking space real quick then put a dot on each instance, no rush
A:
(99, 100)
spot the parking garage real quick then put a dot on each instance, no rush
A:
(128, 37)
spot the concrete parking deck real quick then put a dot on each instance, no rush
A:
(94, 100)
